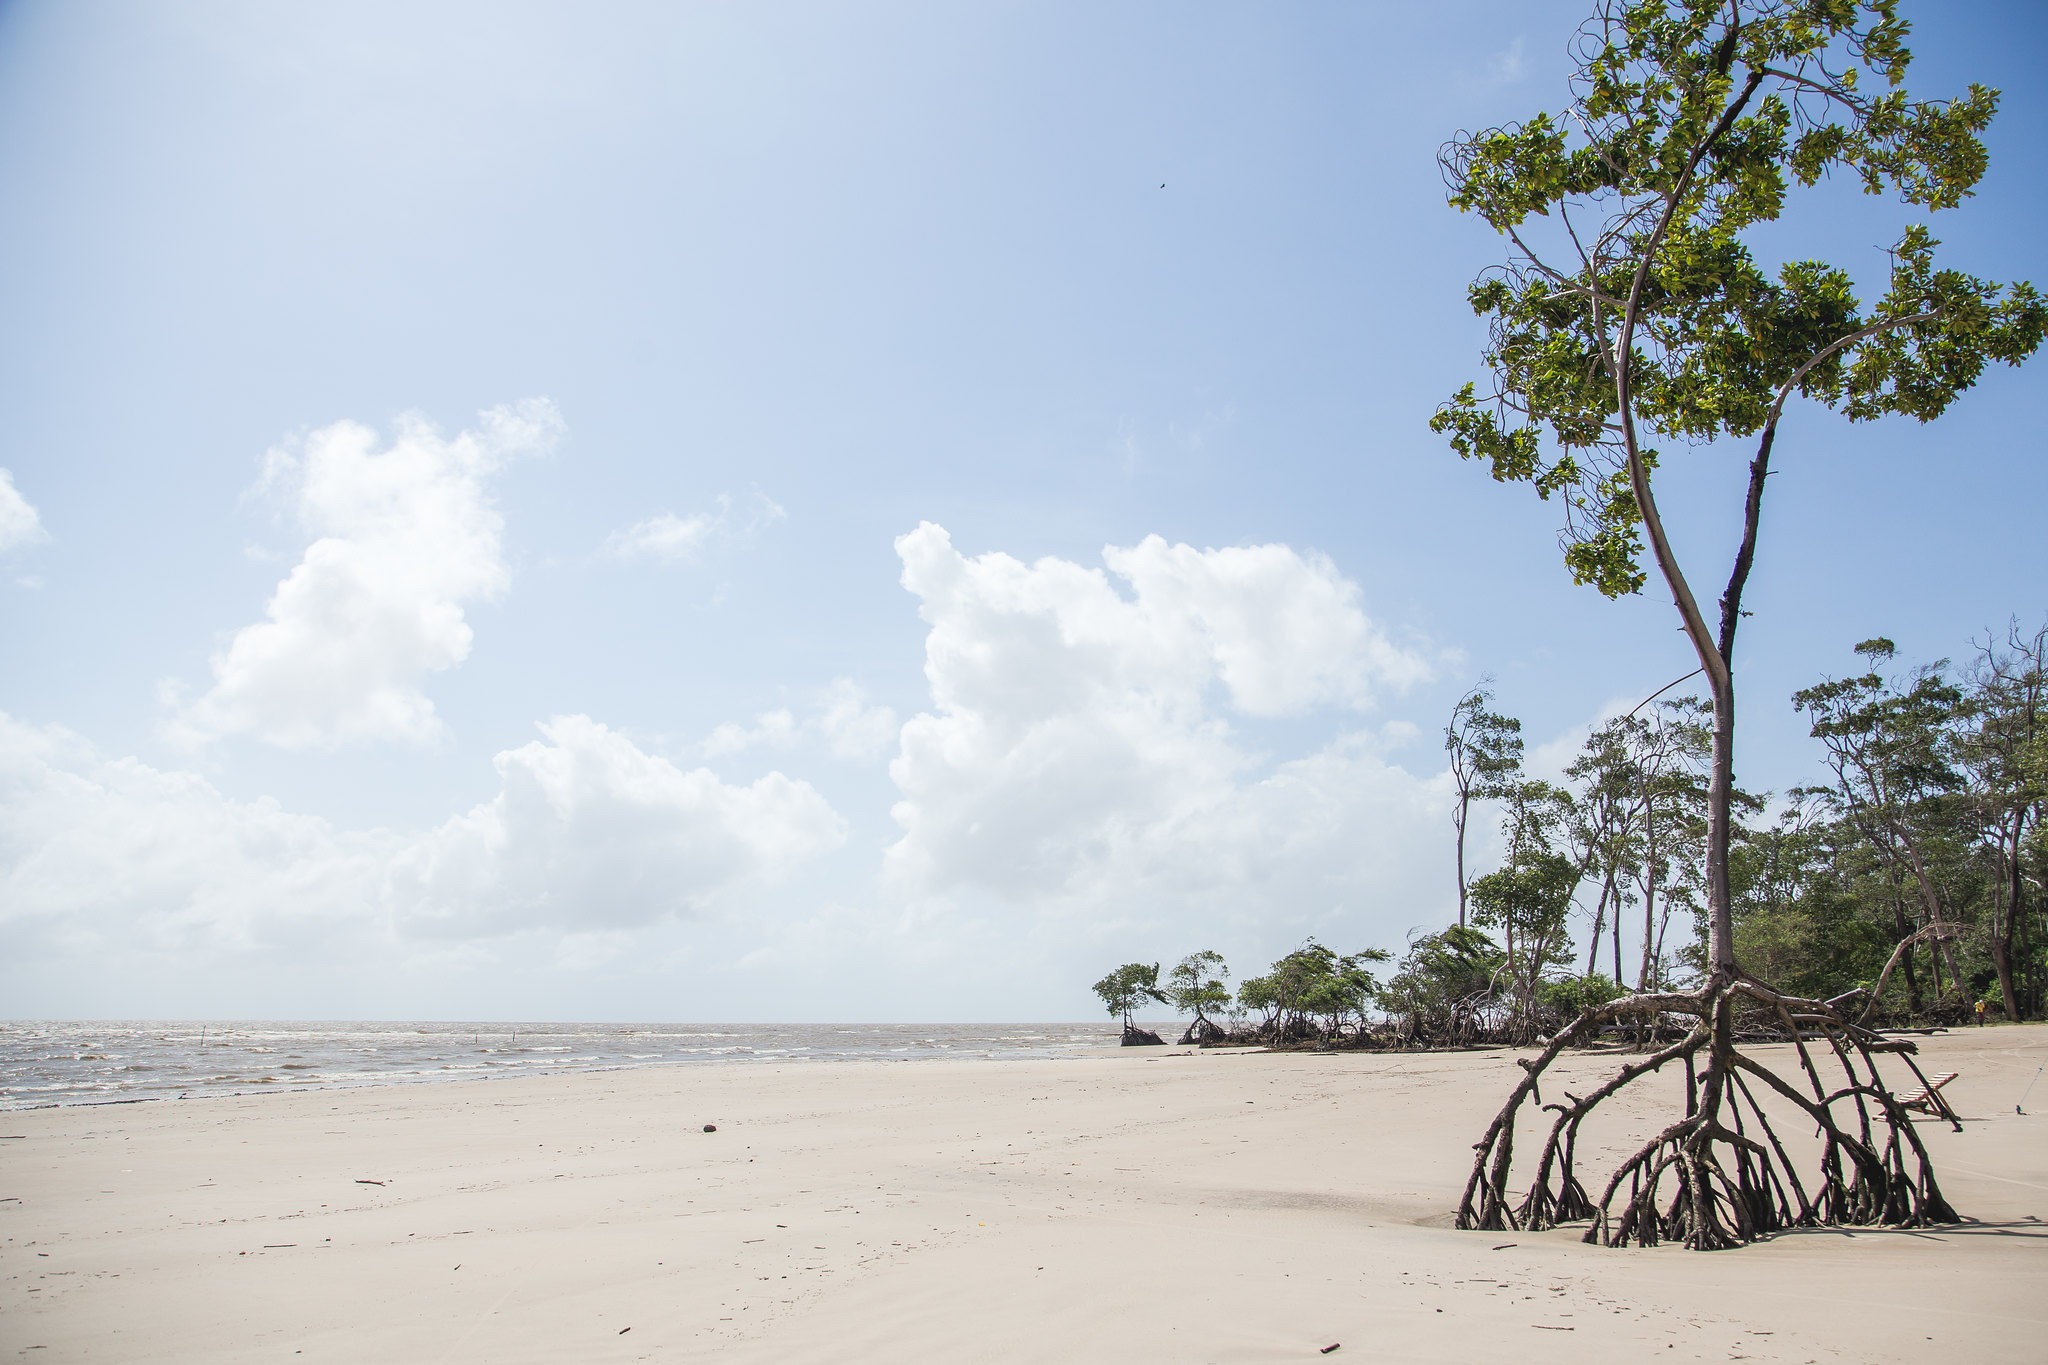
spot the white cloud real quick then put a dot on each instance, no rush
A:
(1284, 632)
(842, 720)
(670, 539)
(1078, 753)
(102, 853)
(1510, 64)
(850, 727)
(587, 835)
(1488, 73)
(402, 540)
(777, 729)
(20, 524)
(587, 830)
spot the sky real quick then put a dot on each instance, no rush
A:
(809, 512)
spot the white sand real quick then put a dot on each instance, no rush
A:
(1128, 1207)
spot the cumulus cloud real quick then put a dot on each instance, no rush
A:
(20, 524)
(100, 853)
(586, 829)
(1083, 746)
(842, 721)
(1284, 632)
(670, 539)
(402, 539)
(587, 835)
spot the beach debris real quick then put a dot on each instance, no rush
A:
(369, 1182)
(1505, 1245)
(1331, 1347)
(624, 1330)
(710, 1127)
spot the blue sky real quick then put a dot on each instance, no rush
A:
(647, 697)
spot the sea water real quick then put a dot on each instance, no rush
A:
(65, 1062)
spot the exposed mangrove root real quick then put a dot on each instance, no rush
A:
(1720, 1175)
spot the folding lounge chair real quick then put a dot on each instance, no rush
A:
(1929, 1100)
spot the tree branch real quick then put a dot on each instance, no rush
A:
(1639, 474)
(1752, 514)
(1860, 334)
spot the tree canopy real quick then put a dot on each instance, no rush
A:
(1632, 316)
(1128, 988)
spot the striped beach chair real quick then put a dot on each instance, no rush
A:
(1928, 1098)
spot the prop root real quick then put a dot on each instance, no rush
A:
(1719, 1176)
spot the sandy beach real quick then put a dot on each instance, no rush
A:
(1144, 1205)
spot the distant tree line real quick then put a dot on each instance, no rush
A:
(1910, 880)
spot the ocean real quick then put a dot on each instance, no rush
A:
(45, 1063)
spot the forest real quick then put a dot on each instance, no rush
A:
(1907, 883)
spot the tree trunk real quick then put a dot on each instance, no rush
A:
(1464, 806)
(1930, 904)
(1649, 897)
(1720, 794)
(1599, 924)
(2002, 941)
(1617, 940)
(1903, 930)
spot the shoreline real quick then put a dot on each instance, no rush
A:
(62, 1062)
(1141, 1203)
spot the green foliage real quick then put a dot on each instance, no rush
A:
(1565, 1000)
(1485, 746)
(1934, 813)
(1894, 748)
(1528, 898)
(1313, 992)
(1447, 983)
(1639, 821)
(1631, 313)
(1929, 818)
(1197, 985)
(1486, 763)
(1259, 995)
(1129, 987)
